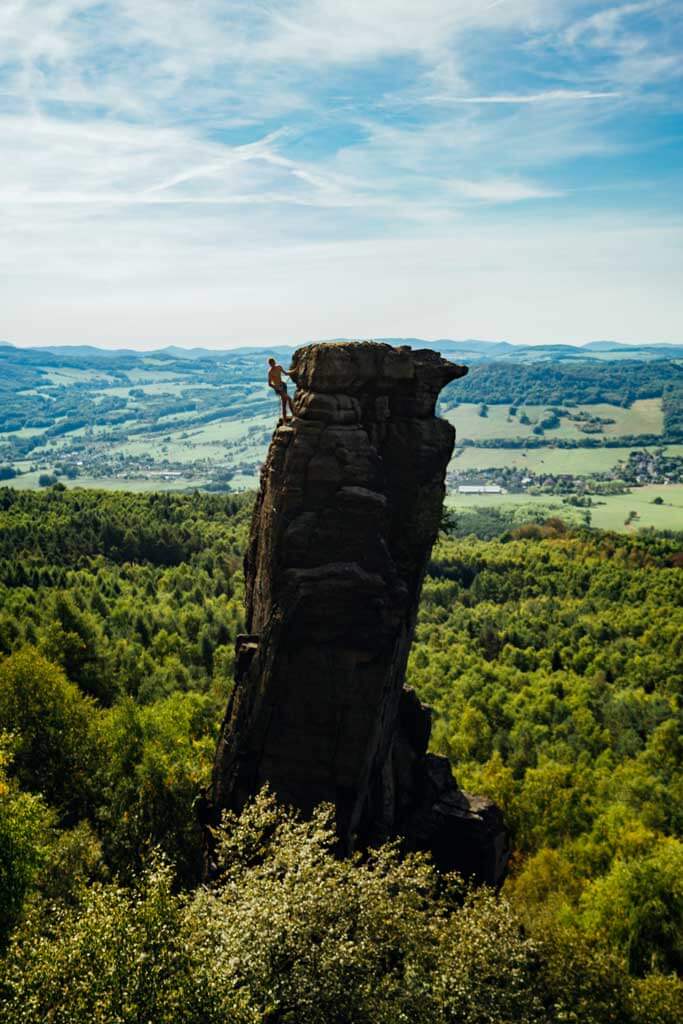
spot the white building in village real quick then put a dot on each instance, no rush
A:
(481, 489)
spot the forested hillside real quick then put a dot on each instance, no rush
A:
(554, 664)
(617, 382)
(123, 611)
(552, 659)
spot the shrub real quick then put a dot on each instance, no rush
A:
(55, 749)
(291, 934)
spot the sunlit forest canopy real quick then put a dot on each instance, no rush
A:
(552, 659)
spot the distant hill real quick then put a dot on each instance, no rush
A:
(203, 417)
(469, 348)
(603, 346)
(478, 350)
(85, 351)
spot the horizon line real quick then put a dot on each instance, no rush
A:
(209, 347)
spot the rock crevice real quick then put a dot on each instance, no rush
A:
(348, 509)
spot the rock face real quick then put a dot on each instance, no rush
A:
(347, 513)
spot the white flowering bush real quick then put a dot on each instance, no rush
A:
(291, 934)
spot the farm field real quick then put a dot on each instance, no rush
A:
(578, 461)
(29, 482)
(131, 417)
(668, 516)
(142, 378)
(224, 443)
(245, 481)
(609, 513)
(246, 437)
(67, 376)
(153, 387)
(643, 417)
(221, 431)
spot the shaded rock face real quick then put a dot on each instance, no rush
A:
(348, 510)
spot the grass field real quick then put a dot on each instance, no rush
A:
(165, 387)
(29, 482)
(644, 417)
(68, 376)
(138, 486)
(610, 514)
(552, 460)
(149, 378)
(669, 516)
(209, 441)
(162, 387)
(221, 431)
(29, 432)
(579, 461)
(245, 482)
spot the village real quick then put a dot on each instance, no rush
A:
(640, 468)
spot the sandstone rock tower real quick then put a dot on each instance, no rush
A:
(348, 510)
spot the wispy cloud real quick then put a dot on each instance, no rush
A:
(606, 29)
(184, 135)
(259, 150)
(547, 96)
(634, 45)
(501, 191)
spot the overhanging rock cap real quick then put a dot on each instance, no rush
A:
(356, 368)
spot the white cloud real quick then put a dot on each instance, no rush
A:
(637, 56)
(158, 154)
(586, 279)
(501, 191)
(548, 96)
(605, 28)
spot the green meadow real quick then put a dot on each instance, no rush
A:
(609, 512)
(129, 416)
(643, 417)
(577, 461)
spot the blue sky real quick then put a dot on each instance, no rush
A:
(220, 173)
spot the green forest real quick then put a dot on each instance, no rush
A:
(553, 660)
(543, 383)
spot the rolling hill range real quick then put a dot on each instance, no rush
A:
(558, 421)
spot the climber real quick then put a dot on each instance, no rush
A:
(276, 382)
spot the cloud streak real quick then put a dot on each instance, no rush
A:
(549, 96)
(189, 136)
(501, 191)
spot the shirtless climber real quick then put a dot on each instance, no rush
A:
(276, 382)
